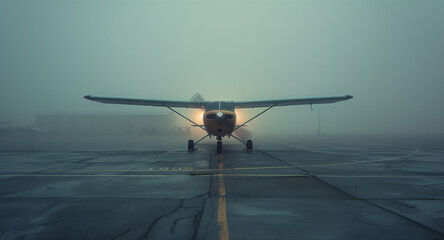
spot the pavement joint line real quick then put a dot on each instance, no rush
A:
(191, 169)
(225, 174)
(416, 150)
(160, 169)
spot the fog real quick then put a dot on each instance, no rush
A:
(388, 54)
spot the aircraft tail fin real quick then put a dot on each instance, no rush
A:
(197, 98)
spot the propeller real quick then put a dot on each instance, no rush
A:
(243, 134)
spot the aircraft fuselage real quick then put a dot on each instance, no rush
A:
(219, 118)
(219, 122)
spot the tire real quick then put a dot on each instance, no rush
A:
(190, 145)
(219, 147)
(249, 145)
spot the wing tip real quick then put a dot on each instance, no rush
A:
(348, 96)
(87, 97)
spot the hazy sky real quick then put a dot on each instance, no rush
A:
(388, 54)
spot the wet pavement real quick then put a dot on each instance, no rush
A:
(300, 189)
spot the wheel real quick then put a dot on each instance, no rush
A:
(190, 145)
(249, 145)
(219, 147)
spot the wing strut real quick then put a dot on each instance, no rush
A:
(186, 118)
(201, 139)
(251, 119)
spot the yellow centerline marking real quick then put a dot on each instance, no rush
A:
(222, 211)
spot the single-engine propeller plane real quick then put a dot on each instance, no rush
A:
(219, 118)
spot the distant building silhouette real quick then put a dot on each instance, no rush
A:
(109, 124)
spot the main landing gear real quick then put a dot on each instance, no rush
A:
(249, 145)
(190, 146)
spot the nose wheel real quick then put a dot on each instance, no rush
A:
(219, 146)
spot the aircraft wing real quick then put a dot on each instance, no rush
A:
(288, 102)
(146, 102)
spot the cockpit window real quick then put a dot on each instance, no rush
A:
(212, 106)
(219, 106)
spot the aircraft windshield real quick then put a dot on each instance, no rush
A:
(219, 106)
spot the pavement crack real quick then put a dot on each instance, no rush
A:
(126, 232)
(207, 227)
(123, 233)
(382, 235)
(27, 221)
(381, 207)
(199, 217)
(173, 228)
(147, 233)
(404, 217)
(200, 195)
(196, 222)
(82, 160)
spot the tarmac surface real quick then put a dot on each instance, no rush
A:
(318, 188)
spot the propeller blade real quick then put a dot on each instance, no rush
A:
(243, 133)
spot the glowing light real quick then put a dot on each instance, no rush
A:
(198, 117)
(239, 116)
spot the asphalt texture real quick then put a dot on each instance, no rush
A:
(318, 188)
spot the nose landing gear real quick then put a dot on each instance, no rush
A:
(219, 144)
(248, 144)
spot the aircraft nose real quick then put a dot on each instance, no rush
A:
(219, 116)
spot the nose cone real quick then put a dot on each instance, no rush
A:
(220, 114)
